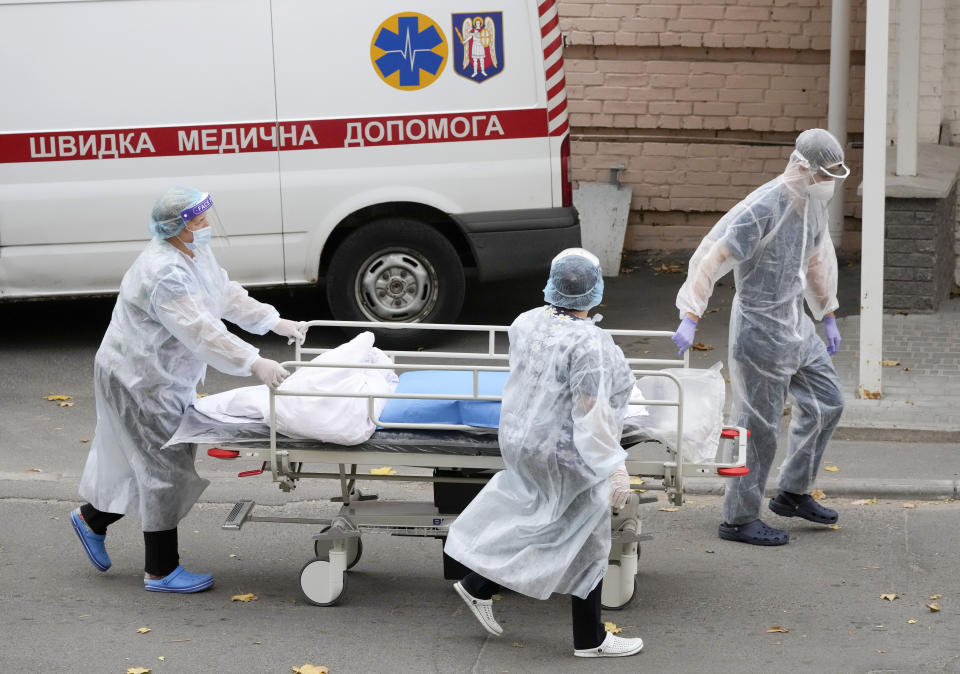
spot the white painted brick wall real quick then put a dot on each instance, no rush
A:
(934, 56)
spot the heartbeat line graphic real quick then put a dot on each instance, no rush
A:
(408, 52)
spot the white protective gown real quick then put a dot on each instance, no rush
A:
(165, 329)
(777, 242)
(542, 525)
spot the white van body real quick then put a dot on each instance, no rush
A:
(308, 122)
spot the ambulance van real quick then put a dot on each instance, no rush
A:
(388, 148)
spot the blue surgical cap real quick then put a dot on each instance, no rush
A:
(575, 282)
(170, 215)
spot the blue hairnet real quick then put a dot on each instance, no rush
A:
(165, 220)
(575, 282)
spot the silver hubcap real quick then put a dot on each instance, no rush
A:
(396, 284)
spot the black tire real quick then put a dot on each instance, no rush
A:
(396, 270)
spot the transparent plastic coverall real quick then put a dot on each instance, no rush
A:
(543, 524)
(777, 243)
(167, 326)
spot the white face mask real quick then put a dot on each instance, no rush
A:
(822, 191)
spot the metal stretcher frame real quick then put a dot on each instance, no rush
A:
(338, 546)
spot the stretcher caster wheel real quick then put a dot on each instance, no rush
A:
(319, 585)
(620, 582)
(321, 550)
(625, 602)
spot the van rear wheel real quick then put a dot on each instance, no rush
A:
(396, 270)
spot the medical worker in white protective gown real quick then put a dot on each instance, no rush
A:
(542, 525)
(778, 244)
(167, 326)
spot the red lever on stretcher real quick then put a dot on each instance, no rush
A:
(732, 433)
(250, 473)
(218, 453)
(735, 471)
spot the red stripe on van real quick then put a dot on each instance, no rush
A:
(550, 25)
(562, 129)
(553, 46)
(554, 69)
(173, 141)
(557, 88)
(556, 110)
(545, 6)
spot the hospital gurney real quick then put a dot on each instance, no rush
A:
(457, 454)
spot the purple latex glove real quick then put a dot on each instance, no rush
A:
(833, 335)
(683, 337)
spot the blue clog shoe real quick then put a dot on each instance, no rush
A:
(92, 543)
(181, 581)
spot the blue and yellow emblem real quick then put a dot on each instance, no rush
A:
(408, 51)
(478, 49)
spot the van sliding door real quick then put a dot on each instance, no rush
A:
(109, 104)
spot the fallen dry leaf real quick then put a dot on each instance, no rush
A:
(834, 527)
(497, 597)
(250, 596)
(34, 470)
(831, 469)
(639, 491)
(933, 606)
(162, 658)
(57, 397)
(700, 346)
(889, 363)
(912, 621)
(909, 505)
(889, 596)
(138, 670)
(636, 480)
(385, 470)
(665, 268)
(668, 510)
(143, 630)
(866, 501)
(881, 652)
(517, 645)
(776, 629)
(310, 669)
(612, 627)
(935, 596)
(818, 494)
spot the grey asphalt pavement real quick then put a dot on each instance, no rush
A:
(702, 604)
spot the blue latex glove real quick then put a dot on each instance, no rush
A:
(833, 335)
(683, 337)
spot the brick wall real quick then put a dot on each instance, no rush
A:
(918, 264)
(701, 102)
(933, 62)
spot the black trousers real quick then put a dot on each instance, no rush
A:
(161, 548)
(588, 630)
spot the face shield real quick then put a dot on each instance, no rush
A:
(182, 208)
(203, 221)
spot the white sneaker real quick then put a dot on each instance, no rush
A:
(482, 609)
(612, 647)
